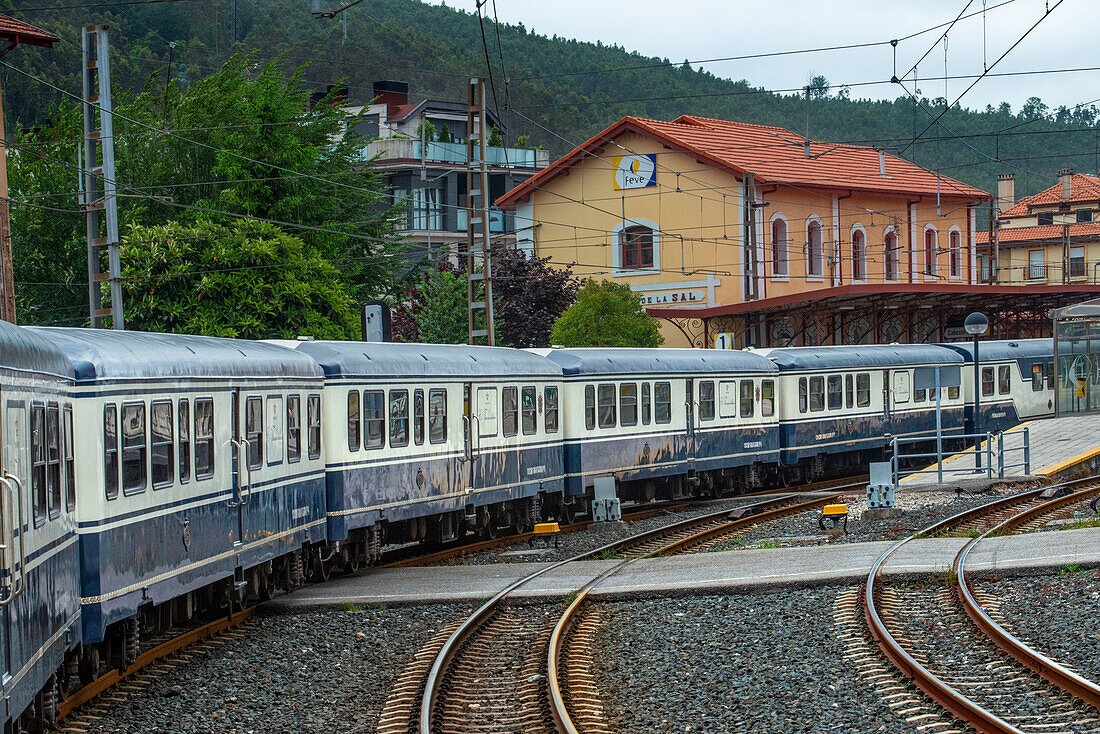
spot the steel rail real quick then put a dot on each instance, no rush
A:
(454, 643)
(981, 719)
(1050, 670)
(558, 708)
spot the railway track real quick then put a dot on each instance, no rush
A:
(942, 637)
(515, 667)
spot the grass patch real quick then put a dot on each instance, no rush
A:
(1072, 568)
(608, 553)
(769, 543)
(350, 607)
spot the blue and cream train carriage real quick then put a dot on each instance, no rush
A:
(1017, 381)
(662, 422)
(201, 476)
(39, 575)
(429, 441)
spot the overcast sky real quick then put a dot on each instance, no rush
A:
(702, 29)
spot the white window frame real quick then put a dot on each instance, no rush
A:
(954, 230)
(617, 269)
(1041, 268)
(786, 276)
(821, 259)
(935, 270)
(857, 227)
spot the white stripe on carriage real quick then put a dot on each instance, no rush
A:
(42, 651)
(198, 564)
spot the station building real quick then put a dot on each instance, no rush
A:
(757, 233)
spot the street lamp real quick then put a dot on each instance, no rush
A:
(976, 325)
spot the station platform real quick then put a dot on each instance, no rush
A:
(1057, 445)
(756, 569)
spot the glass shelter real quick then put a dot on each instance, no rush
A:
(1077, 358)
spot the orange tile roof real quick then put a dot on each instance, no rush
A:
(773, 154)
(17, 30)
(1085, 189)
(1046, 232)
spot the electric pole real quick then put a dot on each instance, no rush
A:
(479, 267)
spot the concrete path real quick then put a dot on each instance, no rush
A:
(702, 572)
(1057, 444)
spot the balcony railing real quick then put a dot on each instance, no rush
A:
(408, 149)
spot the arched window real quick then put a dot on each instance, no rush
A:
(859, 255)
(815, 267)
(779, 247)
(637, 247)
(930, 251)
(890, 250)
(954, 239)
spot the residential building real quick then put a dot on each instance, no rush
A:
(430, 174)
(1052, 237)
(844, 244)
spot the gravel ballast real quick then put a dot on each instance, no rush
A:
(316, 672)
(759, 662)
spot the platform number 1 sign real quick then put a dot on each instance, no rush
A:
(723, 340)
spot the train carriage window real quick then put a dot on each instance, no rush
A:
(163, 457)
(647, 407)
(662, 402)
(184, 439)
(293, 429)
(606, 404)
(53, 459)
(902, 393)
(529, 410)
(38, 461)
(509, 398)
(1050, 375)
(1036, 377)
(919, 396)
(134, 450)
(817, 394)
(803, 395)
(276, 419)
(486, 411)
(628, 404)
(550, 415)
(437, 415)
(849, 391)
(418, 417)
(863, 390)
(706, 400)
(836, 392)
(313, 420)
(353, 421)
(953, 393)
(399, 417)
(589, 407)
(254, 431)
(70, 464)
(748, 395)
(727, 399)
(987, 381)
(767, 398)
(204, 438)
(1004, 379)
(374, 415)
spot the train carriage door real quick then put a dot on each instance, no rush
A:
(239, 467)
(689, 418)
(886, 395)
(469, 440)
(13, 469)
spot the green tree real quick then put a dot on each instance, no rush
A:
(248, 280)
(444, 134)
(425, 130)
(606, 314)
(496, 138)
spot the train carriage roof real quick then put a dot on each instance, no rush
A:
(395, 359)
(998, 349)
(105, 354)
(623, 361)
(23, 350)
(860, 356)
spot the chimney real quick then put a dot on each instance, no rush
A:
(391, 94)
(1006, 191)
(882, 163)
(1065, 177)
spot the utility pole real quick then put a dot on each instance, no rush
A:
(100, 194)
(479, 268)
(750, 245)
(15, 32)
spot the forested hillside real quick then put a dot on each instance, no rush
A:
(568, 87)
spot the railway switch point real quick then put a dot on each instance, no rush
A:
(543, 532)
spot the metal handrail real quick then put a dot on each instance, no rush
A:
(987, 441)
(17, 590)
(8, 547)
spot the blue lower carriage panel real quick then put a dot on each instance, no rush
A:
(365, 493)
(41, 624)
(807, 438)
(730, 448)
(628, 458)
(152, 558)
